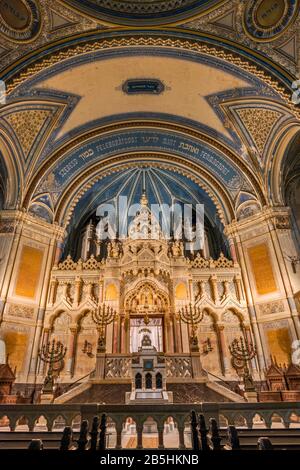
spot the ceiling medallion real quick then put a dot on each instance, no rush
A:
(266, 19)
(19, 19)
(142, 11)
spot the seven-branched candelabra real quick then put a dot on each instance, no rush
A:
(243, 352)
(191, 315)
(51, 353)
(103, 315)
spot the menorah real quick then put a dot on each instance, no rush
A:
(191, 315)
(242, 352)
(51, 353)
(103, 315)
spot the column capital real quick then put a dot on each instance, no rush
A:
(278, 215)
(74, 329)
(220, 326)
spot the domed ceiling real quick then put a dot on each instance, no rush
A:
(161, 187)
(142, 11)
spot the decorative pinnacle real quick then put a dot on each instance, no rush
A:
(144, 199)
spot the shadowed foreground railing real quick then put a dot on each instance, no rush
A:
(134, 426)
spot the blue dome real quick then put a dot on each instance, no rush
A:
(161, 187)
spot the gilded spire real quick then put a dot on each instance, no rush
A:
(144, 199)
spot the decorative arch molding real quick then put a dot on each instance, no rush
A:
(51, 320)
(84, 313)
(153, 12)
(277, 155)
(217, 313)
(138, 290)
(211, 313)
(197, 42)
(188, 142)
(88, 144)
(211, 186)
(234, 311)
(15, 177)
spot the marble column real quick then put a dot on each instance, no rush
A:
(71, 350)
(232, 249)
(214, 288)
(52, 293)
(220, 349)
(238, 287)
(77, 294)
(10, 267)
(225, 359)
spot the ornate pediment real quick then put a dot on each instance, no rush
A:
(146, 254)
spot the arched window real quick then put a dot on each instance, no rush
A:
(158, 380)
(148, 381)
(138, 381)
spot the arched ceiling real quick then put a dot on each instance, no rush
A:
(187, 87)
(142, 12)
(81, 103)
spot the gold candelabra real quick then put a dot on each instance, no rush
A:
(243, 352)
(51, 353)
(102, 316)
(191, 315)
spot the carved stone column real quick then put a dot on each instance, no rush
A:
(220, 348)
(191, 290)
(77, 295)
(98, 248)
(167, 334)
(71, 350)
(177, 335)
(65, 290)
(226, 289)
(116, 336)
(90, 290)
(238, 287)
(201, 289)
(224, 356)
(214, 288)
(232, 249)
(52, 294)
(10, 263)
(101, 291)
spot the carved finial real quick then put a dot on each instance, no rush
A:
(144, 199)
